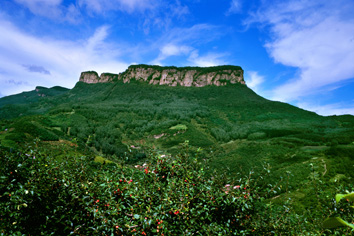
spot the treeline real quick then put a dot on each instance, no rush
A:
(199, 69)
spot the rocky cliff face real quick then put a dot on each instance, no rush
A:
(172, 76)
(89, 77)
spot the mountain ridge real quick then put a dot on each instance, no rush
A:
(33, 95)
(171, 76)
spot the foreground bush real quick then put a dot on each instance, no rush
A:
(165, 196)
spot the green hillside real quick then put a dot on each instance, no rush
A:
(306, 158)
(26, 103)
(32, 96)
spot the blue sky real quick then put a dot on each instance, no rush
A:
(296, 51)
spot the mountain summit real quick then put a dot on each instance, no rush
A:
(172, 76)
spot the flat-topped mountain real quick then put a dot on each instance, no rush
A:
(172, 76)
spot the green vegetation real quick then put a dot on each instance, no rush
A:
(298, 160)
(334, 222)
(113, 77)
(43, 195)
(199, 69)
(91, 72)
(28, 98)
(179, 127)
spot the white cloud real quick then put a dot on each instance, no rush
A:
(316, 37)
(328, 109)
(97, 40)
(254, 80)
(235, 7)
(210, 59)
(140, 5)
(163, 14)
(179, 10)
(72, 14)
(55, 9)
(52, 9)
(173, 50)
(47, 8)
(32, 4)
(169, 50)
(99, 6)
(197, 34)
(60, 62)
(184, 41)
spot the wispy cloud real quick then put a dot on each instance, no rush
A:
(235, 7)
(169, 50)
(17, 83)
(38, 69)
(178, 10)
(316, 37)
(196, 34)
(48, 8)
(328, 109)
(164, 14)
(73, 13)
(254, 80)
(185, 42)
(52, 9)
(64, 60)
(172, 50)
(100, 6)
(209, 59)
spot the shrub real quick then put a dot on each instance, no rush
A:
(166, 196)
(16, 137)
(220, 134)
(257, 135)
(345, 210)
(36, 131)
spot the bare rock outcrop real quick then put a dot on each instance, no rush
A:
(171, 76)
(89, 77)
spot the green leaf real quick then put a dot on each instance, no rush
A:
(349, 196)
(334, 222)
(136, 216)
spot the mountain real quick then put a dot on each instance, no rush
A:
(122, 116)
(32, 96)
